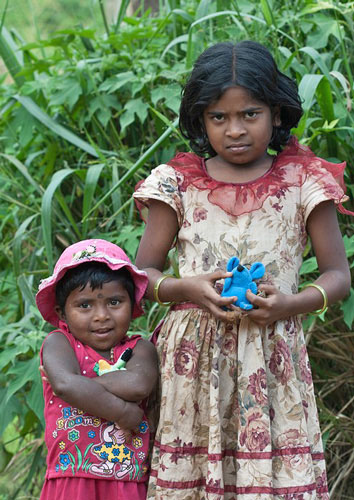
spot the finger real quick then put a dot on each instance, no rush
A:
(241, 312)
(43, 373)
(128, 436)
(225, 301)
(256, 300)
(268, 289)
(218, 275)
(228, 316)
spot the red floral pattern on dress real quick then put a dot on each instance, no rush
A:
(293, 439)
(186, 359)
(280, 362)
(199, 214)
(257, 385)
(256, 435)
(237, 199)
(304, 365)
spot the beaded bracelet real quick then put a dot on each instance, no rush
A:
(156, 290)
(324, 295)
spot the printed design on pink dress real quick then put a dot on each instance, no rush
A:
(70, 425)
(114, 450)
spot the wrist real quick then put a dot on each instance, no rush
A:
(323, 292)
(172, 290)
(156, 290)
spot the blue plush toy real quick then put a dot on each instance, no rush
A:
(241, 281)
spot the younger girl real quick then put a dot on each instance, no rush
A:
(91, 298)
(238, 416)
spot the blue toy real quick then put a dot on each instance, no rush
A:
(241, 281)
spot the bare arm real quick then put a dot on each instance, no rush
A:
(161, 230)
(323, 228)
(138, 380)
(63, 373)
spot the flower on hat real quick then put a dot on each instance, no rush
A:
(85, 254)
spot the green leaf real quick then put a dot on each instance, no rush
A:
(116, 82)
(325, 26)
(307, 89)
(13, 408)
(19, 237)
(68, 93)
(170, 94)
(24, 171)
(35, 396)
(187, 17)
(133, 107)
(308, 266)
(267, 13)
(26, 290)
(325, 100)
(59, 130)
(121, 13)
(174, 42)
(35, 466)
(46, 212)
(102, 105)
(129, 238)
(11, 57)
(92, 176)
(24, 371)
(7, 356)
(202, 9)
(348, 245)
(348, 309)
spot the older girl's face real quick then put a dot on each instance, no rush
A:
(239, 129)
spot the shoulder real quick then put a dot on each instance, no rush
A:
(55, 338)
(182, 165)
(186, 160)
(145, 346)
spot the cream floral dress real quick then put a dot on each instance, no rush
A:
(238, 416)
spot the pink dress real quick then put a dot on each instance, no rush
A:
(88, 457)
(238, 416)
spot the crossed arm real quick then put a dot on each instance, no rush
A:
(113, 396)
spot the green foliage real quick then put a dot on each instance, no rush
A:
(85, 112)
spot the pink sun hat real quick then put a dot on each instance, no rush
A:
(88, 251)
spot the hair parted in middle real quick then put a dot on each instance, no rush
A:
(247, 64)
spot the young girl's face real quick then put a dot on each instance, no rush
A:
(99, 318)
(239, 128)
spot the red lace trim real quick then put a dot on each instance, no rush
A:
(237, 199)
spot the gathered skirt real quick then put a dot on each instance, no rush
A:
(238, 417)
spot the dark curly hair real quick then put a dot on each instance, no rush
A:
(249, 65)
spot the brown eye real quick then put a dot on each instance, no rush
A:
(251, 114)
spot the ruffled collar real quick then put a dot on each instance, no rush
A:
(238, 199)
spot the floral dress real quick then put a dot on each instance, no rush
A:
(238, 416)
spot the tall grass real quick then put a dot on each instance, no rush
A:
(85, 115)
